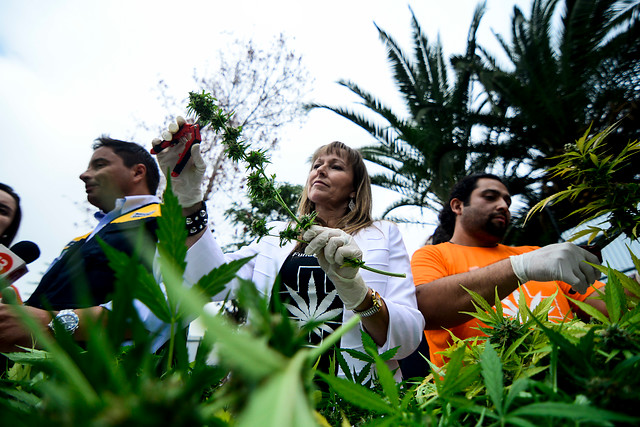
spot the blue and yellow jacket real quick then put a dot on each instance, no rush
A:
(81, 277)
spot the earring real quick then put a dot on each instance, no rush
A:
(352, 205)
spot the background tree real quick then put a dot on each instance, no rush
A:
(270, 210)
(263, 87)
(564, 76)
(568, 68)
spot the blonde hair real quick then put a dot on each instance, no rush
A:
(360, 216)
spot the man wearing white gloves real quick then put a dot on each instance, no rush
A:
(475, 220)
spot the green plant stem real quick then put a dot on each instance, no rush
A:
(172, 343)
(280, 200)
(211, 109)
(386, 273)
(173, 309)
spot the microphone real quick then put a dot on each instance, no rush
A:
(13, 262)
(26, 250)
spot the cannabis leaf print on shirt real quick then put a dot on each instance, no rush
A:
(309, 296)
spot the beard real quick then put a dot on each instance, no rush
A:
(496, 229)
(479, 223)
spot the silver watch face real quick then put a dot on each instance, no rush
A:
(68, 320)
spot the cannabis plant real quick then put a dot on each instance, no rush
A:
(541, 373)
(256, 381)
(600, 177)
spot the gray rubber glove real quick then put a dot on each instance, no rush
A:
(331, 246)
(188, 185)
(560, 261)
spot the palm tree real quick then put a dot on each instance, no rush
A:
(424, 154)
(564, 76)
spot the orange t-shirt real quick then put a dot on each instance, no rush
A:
(432, 262)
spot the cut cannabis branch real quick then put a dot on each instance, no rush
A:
(261, 186)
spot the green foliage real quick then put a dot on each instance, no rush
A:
(569, 68)
(377, 401)
(254, 218)
(594, 174)
(545, 372)
(105, 383)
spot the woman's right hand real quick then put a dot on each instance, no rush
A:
(187, 185)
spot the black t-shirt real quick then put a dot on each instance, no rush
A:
(309, 295)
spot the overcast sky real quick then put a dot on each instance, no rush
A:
(73, 70)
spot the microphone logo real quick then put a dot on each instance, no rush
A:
(13, 262)
(5, 262)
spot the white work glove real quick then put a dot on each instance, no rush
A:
(187, 186)
(560, 261)
(331, 246)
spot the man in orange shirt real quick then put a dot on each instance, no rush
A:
(474, 222)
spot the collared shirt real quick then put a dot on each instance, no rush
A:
(123, 206)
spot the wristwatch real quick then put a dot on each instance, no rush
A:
(377, 305)
(68, 319)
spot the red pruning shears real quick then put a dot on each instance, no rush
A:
(190, 132)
